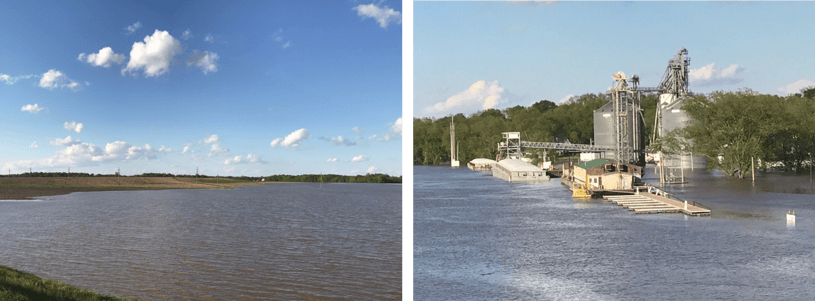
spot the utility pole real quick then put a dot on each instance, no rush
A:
(118, 180)
(753, 169)
(196, 175)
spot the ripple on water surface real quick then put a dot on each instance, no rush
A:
(477, 237)
(278, 241)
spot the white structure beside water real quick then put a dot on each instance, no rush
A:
(515, 170)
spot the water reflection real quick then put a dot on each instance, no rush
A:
(482, 238)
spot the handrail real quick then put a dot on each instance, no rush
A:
(666, 194)
(697, 204)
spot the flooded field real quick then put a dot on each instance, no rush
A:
(281, 241)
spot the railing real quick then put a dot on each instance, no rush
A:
(697, 204)
(570, 146)
(666, 194)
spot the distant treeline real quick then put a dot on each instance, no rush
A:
(544, 121)
(57, 174)
(734, 126)
(368, 178)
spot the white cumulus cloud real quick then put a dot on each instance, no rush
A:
(372, 169)
(104, 58)
(331, 160)
(357, 129)
(154, 54)
(795, 87)
(164, 149)
(135, 152)
(394, 132)
(250, 158)
(384, 15)
(235, 160)
(68, 141)
(293, 140)
(55, 79)
(276, 142)
(215, 148)
(84, 154)
(34, 145)
(73, 126)
(254, 159)
(132, 28)
(33, 109)
(186, 148)
(359, 158)
(119, 150)
(209, 38)
(397, 126)
(481, 95)
(204, 60)
(709, 75)
(212, 139)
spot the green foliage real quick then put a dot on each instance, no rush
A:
(330, 178)
(56, 174)
(808, 92)
(16, 285)
(479, 134)
(224, 180)
(674, 142)
(163, 175)
(648, 104)
(544, 105)
(743, 125)
(369, 178)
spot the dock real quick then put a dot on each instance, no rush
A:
(645, 202)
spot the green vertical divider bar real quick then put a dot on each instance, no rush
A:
(407, 151)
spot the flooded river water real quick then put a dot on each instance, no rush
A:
(278, 241)
(480, 238)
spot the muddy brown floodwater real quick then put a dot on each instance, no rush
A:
(272, 242)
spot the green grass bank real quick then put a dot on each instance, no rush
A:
(19, 286)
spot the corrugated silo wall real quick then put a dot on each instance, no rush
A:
(604, 128)
(674, 118)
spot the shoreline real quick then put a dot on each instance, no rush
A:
(27, 188)
(19, 285)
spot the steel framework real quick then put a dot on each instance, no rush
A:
(673, 87)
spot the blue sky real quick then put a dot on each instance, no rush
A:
(474, 55)
(231, 87)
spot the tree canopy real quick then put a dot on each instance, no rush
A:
(735, 127)
(742, 125)
(478, 134)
